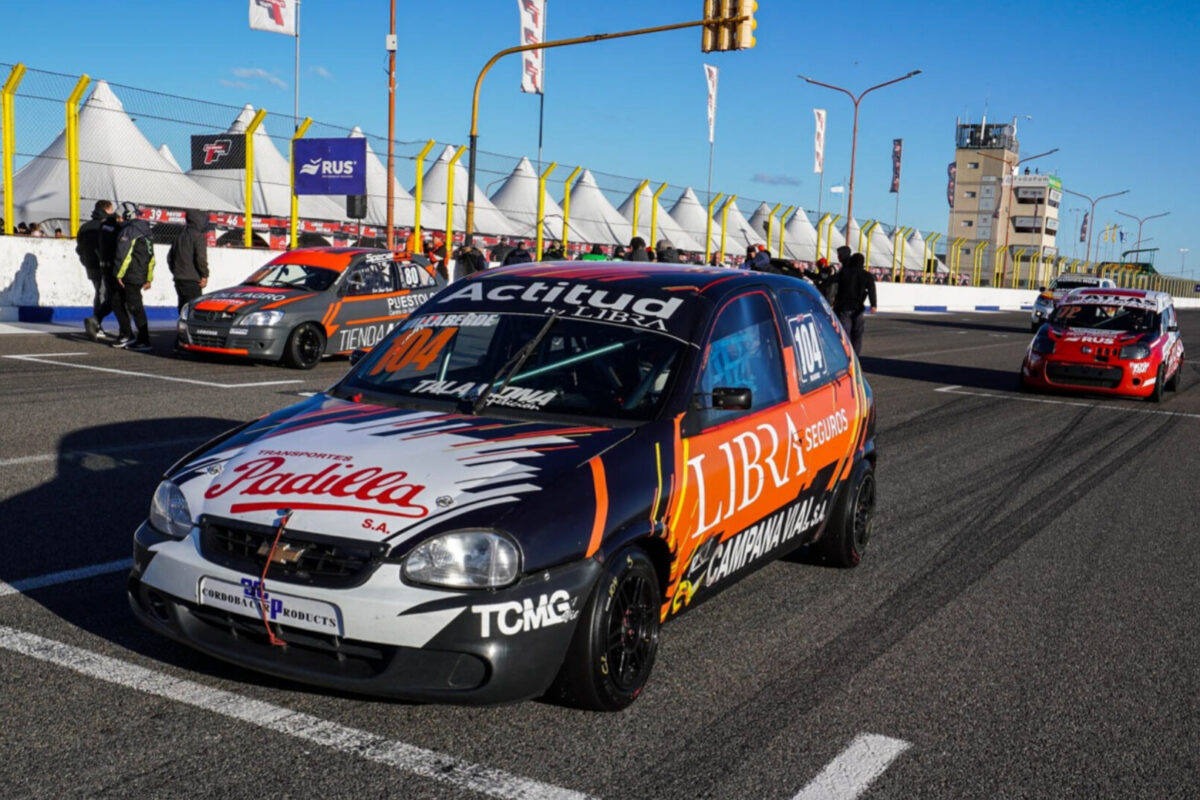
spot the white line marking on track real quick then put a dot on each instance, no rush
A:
(849, 775)
(1049, 401)
(462, 775)
(67, 575)
(121, 448)
(41, 358)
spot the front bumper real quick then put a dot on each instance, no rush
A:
(1117, 378)
(391, 639)
(225, 338)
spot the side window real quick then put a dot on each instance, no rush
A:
(370, 278)
(413, 276)
(820, 353)
(743, 352)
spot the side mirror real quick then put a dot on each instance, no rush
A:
(729, 398)
(356, 355)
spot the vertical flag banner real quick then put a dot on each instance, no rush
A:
(533, 31)
(1083, 228)
(710, 75)
(952, 174)
(819, 142)
(273, 16)
(897, 147)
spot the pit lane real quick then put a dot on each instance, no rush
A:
(1022, 622)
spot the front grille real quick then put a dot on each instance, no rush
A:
(210, 316)
(1084, 375)
(206, 341)
(308, 559)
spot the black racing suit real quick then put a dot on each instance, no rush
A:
(135, 270)
(87, 247)
(854, 285)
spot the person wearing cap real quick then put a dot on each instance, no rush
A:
(87, 247)
(135, 273)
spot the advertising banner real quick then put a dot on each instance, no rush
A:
(331, 166)
(1083, 228)
(533, 31)
(897, 148)
(819, 142)
(710, 75)
(219, 151)
(952, 174)
(273, 16)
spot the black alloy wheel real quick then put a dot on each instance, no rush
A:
(305, 346)
(1160, 378)
(849, 529)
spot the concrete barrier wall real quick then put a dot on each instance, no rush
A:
(41, 280)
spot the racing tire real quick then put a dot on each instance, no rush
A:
(1034, 326)
(849, 531)
(1157, 394)
(304, 347)
(613, 649)
(1173, 384)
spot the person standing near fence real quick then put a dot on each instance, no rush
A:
(87, 247)
(188, 258)
(135, 272)
(854, 286)
(106, 245)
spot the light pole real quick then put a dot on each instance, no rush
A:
(1183, 251)
(1141, 221)
(854, 136)
(1092, 215)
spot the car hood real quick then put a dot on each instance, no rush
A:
(378, 473)
(239, 300)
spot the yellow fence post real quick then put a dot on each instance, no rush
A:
(833, 221)
(248, 219)
(541, 207)
(896, 234)
(783, 220)
(1017, 267)
(417, 191)
(294, 227)
(771, 224)
(654, 215)
(637, 204)
(868, 231)
(8, 122)
(931, 272)
(954, 261)
(566, 206)
(725, 223)
(449, 246)
(72, 134)
(708, 227)
(820, 224)
(982, 249)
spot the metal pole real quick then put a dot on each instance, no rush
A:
(1142, 221)
(725, 223)
(248, 217)
(1092, 214)
(8, 122)
(72, 131)
(637, 199)
(418, 245)
(654, 215)
(391, 148)
(296, 81)
(449, 245)
(566, 207)
(541, 208)
(295, 222)
(708, 227)
(787, 214)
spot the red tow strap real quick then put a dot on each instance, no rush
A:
(285, 514)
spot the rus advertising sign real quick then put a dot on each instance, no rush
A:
(219, 151)
(331, 166)
(533, 31)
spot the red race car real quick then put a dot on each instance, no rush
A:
(1108, 341)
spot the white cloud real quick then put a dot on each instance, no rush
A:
(321, 71)
(235, 84)
(258, 72)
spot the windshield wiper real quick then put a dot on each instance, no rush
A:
(510, 367)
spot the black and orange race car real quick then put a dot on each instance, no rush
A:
(511, 493)
(308, 303)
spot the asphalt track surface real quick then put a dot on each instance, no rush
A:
(1024, 623)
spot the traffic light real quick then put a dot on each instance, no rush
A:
(743, 37)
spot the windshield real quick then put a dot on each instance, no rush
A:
(1066, 284)
(577, 367)
(1109, 318)
(294, 276)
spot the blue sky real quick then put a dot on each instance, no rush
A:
(1111, 84)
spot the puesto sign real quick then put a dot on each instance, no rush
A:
(331, 166)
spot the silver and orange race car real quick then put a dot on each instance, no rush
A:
(1108, 341)
(511, 493)
(308, 303)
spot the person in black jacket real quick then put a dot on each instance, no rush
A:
(135, 273)
(637, 250)
(87, 247)
(501, 250)
(666, 252)
(106, 245)
(518, 255)
(188, 257)
(854, 285)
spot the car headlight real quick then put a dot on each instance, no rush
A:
(262, 318)
(169, 510)
(1043, 345)
(464, 560)
(183, 312)
(1134, 351)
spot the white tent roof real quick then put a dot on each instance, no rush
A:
(667, 227)
(800, 238)
(692, 217)
(517, 198)
(758, 223)
(915, 251)
(488, 218)
(166, 153)
(881, 248)
(272, 180)
(738, 233)
(851, 230)
(403, 207)
(594, 216)
(116, 162)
